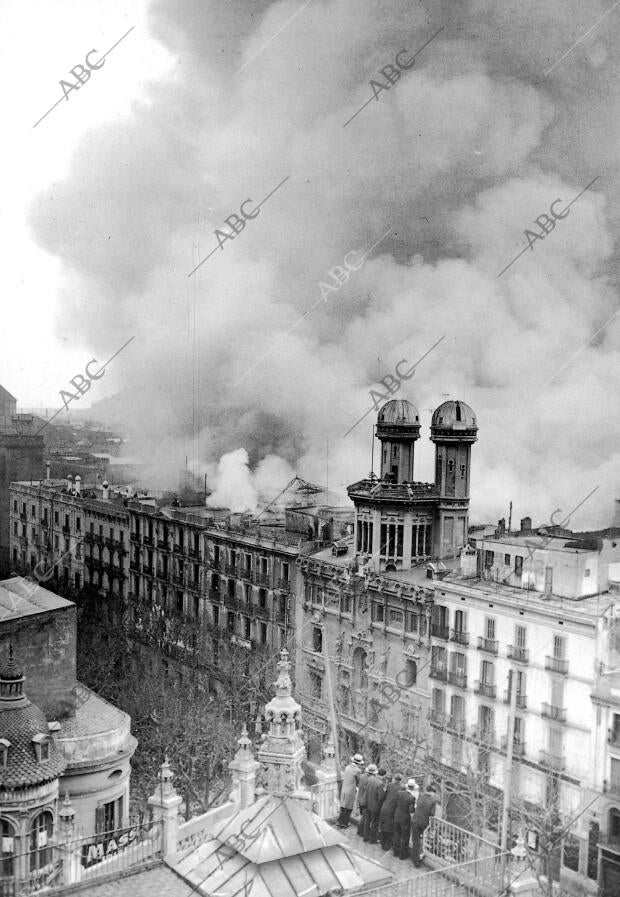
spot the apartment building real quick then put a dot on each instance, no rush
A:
(73, 537)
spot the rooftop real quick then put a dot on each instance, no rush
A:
(578, 609)
(293, 852)
(540, 540)
(20, 597)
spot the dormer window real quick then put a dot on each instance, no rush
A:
(42, 747)
(4, 752)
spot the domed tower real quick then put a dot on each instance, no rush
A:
(30, 764)
(394, 516)
(398, 427)
(453, 430)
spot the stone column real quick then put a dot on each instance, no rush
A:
(327, 805)
(165, 803)
(244, 768)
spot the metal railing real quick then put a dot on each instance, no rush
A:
(486, 689)
(552, 761)
(556, 665)
(521, 655)
(490, 645)
(52, 868)
(457, 635)
(520, 699)
(456, 677)
(438, 671)
(465, 866)
(552, 712)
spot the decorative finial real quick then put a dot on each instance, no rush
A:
(165, 777)
(66, 815)
(245, 746)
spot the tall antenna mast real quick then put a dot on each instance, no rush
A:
(327, 471)
(372, 450)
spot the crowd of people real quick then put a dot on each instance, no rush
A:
(392, 809)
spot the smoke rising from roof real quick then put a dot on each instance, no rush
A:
(458, 158)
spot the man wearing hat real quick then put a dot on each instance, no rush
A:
(350, 781)
(386, 817)
(405, 805)
(374, 799)
(361, 796)
(425, 808)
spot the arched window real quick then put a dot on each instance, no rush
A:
(41, 832)
(360, 679)
(410, 673)
(7, 849)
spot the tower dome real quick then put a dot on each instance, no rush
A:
(454, 418)
(399, 412)
(31, 755)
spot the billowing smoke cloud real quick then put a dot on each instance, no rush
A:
(457, 159)
(239, 488)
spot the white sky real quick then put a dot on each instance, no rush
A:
(40, 42)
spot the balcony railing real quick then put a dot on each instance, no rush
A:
(261, 579)
(613, 737)
(456, 724)
(232, 569)
(521, 655)
(439, 631)
(556, 713)
(552, 761)
(556, 665)
(438, 672)
(437, 717)
(490, 645)
(262, 612)
(458, 679)
(485, 689)
(520, 700)
(147, 539)
(518, 746)
(483, 735)
(284, 585)
(457, 635)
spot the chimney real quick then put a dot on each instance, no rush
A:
(105, 494)
(526, 524)
(48, 465)
(501, 526)
(69, 482)
(78, 484)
